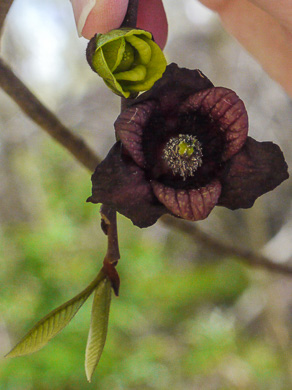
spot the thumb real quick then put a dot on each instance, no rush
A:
(152, 17)
(98, 16)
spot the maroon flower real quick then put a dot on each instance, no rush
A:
(183, 148)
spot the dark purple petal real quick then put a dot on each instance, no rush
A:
(129, 129)
(174, 87)
(225, 108)
(192, 205)
(258, 168)
(121, 184)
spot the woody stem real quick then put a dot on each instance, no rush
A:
(109, 227)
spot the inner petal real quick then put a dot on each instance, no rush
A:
(113, 53)
(192, 204)
(142, 47)
(228, 113)
(136, 74)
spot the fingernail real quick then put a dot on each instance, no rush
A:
(82, 9)
(100, 16)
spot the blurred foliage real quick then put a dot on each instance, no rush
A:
(186, 318)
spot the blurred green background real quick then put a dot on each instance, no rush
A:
(186, 318)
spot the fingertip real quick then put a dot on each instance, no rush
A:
(152, 17)
(215, 5)
(81, 10)
(100, 16)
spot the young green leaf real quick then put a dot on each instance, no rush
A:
(98, 327)
(54, 322)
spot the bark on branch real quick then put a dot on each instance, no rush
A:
(251, 258)
(4, 8)
(36, 111)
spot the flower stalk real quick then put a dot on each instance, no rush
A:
(108, 214)
(109, 227)
(130, 19)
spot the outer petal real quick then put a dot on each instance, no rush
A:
(129, 129)
(174, 87)
(225, 107)
(121, 184)
(155, 69)
(192, 204)
(258, 168)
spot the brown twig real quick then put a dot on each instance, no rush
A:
(130, 19)
(35, 110)
(4, 8)
(246, 256)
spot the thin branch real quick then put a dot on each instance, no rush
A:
(130, 19)
(246, 256)
(35, 110)
(109, 227)
(4, 8)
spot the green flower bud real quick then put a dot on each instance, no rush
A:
(128, 60)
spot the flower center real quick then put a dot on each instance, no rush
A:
(183, 155)
(127, 59)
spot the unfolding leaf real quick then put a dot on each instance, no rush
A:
(98, 327)
(54, 322)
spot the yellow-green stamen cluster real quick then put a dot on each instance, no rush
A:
(183, 154)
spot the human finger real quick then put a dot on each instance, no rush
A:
(101, 16)
(281, 10)
(260, 33)
(152, 17)
(92, 16)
